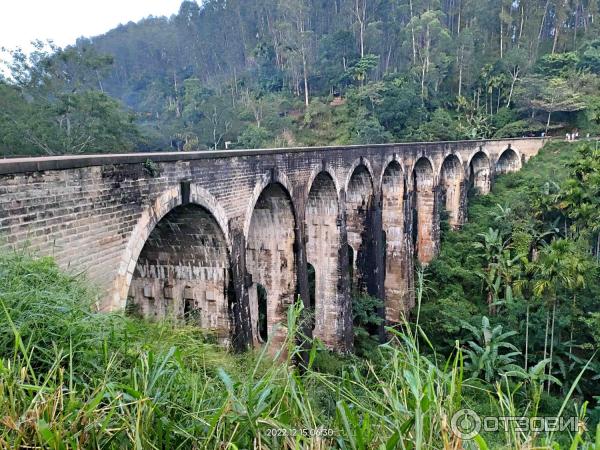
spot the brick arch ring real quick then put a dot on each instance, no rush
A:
(414, 165)
(272, 176)
(450, 155)
(315, 173)
(477, 150)
(358, 162)
(502, 152)
(389, 160)
(151, 216)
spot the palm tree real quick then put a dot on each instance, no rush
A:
(559, 266)
(523, 281)
(493, 245)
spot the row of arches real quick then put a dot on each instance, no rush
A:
(363, 242)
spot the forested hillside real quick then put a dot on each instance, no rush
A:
(254, 73)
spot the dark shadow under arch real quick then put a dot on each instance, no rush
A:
(183, 271)
(508, 162)
(480, 174)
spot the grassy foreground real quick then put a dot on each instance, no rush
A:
(71, 378)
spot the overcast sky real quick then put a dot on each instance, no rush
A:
(22, 21)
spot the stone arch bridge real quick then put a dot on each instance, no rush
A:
(228, 239)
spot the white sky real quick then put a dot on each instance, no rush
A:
(22, 21)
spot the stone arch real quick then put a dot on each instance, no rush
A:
(359, 204)
(183, 271)
(317, 172)
(422, 160)
(389, 160)
(355, 164)
(200, 196)
(161, 206)
(508, 161)
(272, 176)
(270, 256)
(322, 252)
(480, 172)
(451, 182)
(397, 263)
(426, 227)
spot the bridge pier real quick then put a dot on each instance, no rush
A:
(323, 219)
(398, 253)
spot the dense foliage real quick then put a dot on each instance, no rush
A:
(253, 73)
(71, 378)
(526, 263)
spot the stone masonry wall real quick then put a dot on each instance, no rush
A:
(95, 213)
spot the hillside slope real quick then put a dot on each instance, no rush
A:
(258, 73)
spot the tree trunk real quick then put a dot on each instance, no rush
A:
(460, 68)
(521, 25)
(546, 334)
(526, 336)
(556, 32)
(572, 325)
(412, 32)
(512, 87)
(542, 24)
(501, 34)
(551, 342)
(305, 74)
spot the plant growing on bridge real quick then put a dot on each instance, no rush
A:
(152, 168)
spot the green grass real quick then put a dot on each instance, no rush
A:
(73, 378)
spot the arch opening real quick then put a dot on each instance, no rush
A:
(270, 258)
(322, 254)
(183, 271)
(508, 162)
(310, 269)
(262, 326)
(311, 273)
(480, 173)
(425, 222)
(359, 203)
(396, 260)
(451, 179)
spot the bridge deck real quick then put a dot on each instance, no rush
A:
(63, 162)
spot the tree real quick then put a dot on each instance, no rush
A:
(558, 266)
(297, 42)
(366, 129)
(254, 137)
(363, 66)
(432, 59)
(515, 64)
(590, 59)
(550, 95)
